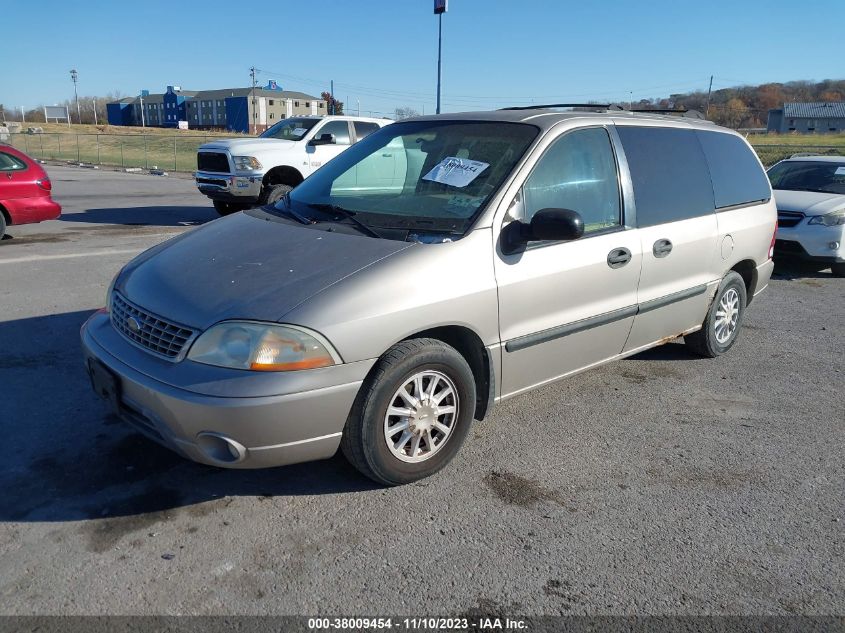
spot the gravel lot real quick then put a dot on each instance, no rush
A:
(662, 484)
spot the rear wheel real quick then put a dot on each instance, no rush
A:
(838, 270)
(227, 208)
(412, 414)
(721, 327)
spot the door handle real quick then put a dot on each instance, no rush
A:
(662, 248)
(618, 257)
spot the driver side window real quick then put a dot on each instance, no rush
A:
(577, 172)
(340, 129)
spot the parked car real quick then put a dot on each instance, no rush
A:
(241, 173)
(381, 306)
(24, 190)
(810, 195)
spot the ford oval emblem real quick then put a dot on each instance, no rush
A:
(133, 324)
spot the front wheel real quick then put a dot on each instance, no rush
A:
(412, 414)
(271, 194)
(838, 270)
(721, 326)
(2, 225)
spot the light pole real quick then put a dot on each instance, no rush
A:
(439, 9)
(74, 76)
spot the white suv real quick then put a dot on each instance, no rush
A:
(242, 173)
(810, 195)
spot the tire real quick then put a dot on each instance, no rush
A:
(226, 208)
(838, 270)
(716, 336)
(271, 194)
(365, 436)
(2, 225)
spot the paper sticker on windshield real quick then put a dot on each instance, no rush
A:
(840, 171)
(456, 172)
(299, 131)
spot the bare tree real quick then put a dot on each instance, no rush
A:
(405, 113)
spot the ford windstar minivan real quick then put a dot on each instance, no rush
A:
(438, 266)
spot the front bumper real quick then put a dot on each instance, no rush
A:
(812, 242)
(229, 187)
(231, 431)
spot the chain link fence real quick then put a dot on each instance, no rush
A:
(146, 151)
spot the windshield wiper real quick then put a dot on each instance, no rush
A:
(344, 213)
(288, 210)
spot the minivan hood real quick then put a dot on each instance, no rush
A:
(244, 267)
(808, 202)
(242, 146)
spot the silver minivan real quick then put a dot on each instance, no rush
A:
(435, 268)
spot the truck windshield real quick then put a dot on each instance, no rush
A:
(418, 174)
(289, 129)
(820, 176)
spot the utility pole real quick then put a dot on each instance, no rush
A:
(439, 10)
(23, 119)
(74, 76)
(709, 90)
(95, 111)
(254, 113)
(143, 123)
(331, 96)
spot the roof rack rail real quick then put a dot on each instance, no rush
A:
(594, 106)
(689, 114)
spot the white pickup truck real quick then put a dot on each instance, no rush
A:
(242, 173)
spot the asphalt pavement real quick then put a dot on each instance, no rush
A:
(661, 484)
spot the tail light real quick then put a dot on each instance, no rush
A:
(772, 245)
(45, 184)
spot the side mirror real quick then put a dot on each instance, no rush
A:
(556, 225)
(323, 139)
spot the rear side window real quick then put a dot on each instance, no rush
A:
(669, 172)
(11, 163)
(736, 174)
(363, 128)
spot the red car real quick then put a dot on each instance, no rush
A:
(24, 190)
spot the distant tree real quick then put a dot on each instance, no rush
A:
(828, 95)
(330, 100)
(405, 113)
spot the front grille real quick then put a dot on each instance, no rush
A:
(212, 161)
(147, 330)
(789, 219)
(217, 182)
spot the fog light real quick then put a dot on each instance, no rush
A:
(833, 246)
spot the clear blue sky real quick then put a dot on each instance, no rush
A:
(383, 52)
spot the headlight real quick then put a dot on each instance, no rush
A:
(262, 347)
(246, 163)
(833, 218)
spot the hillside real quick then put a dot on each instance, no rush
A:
(748, 106)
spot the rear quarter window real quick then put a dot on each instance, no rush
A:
(11, 163)
(734, 169)
(669, 173)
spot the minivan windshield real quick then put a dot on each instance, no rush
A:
(432, 174)
(289, 129)
(820, 176)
